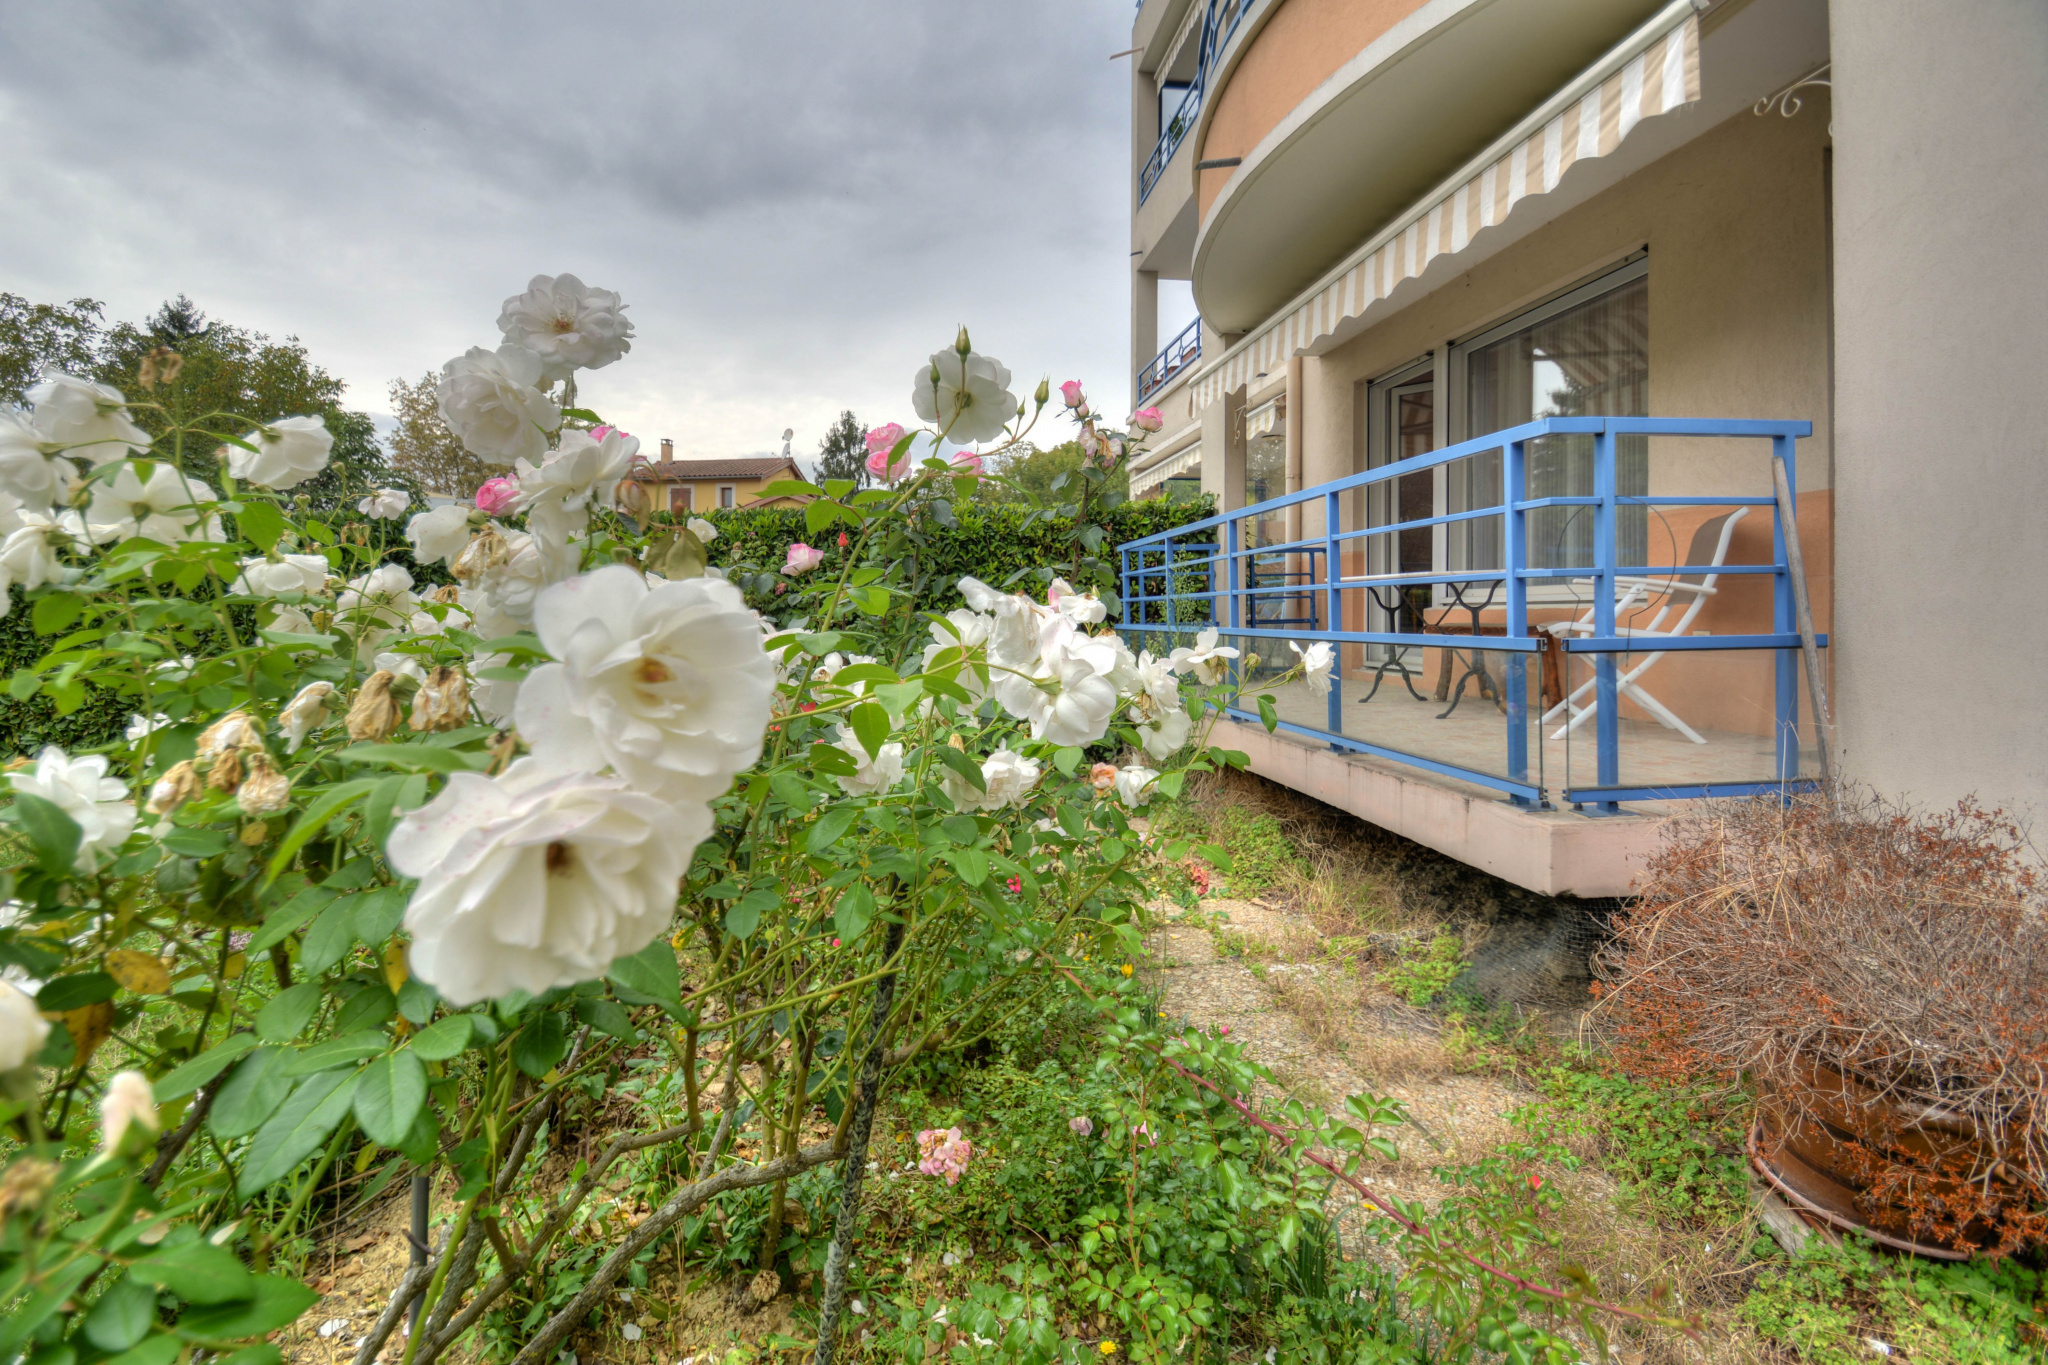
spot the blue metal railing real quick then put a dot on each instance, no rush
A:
(1219, 25)
(1181, 352)
(1218, 548)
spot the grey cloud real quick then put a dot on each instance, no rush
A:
(799, 199)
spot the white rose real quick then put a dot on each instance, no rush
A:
(128, 1101)
(1163, 737)
(1010, 778)
(305, 713)
(496, 698)
(28, 557)
(164, 507)
(22, 1029)
(288, 620)
(538, 878)
(385, 504)
(580, 474)
(263, 577)
(1207, 660)
(440, 534)
(1154, 684)
(878, 772)
(401, 666)
(80, 787)
(569, 325)
(489, 401)
(34, 479)
(288, 452)
(702, 529)
(1014, 625)
(1316, 662)
(962, 647)
(666, 682)
(85, 419)
(142, 727)
(1134, 785)
(374, 605)
(1082, 608)
(969, 401)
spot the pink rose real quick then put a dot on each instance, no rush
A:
(599, 433)
(884, 437)
(1082, 1125)
(879, 466)
(1147, 419)
(1070, 393)
(966, 462)
(802, 559)
(497, 496)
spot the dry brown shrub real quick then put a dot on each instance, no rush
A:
(1906, 950)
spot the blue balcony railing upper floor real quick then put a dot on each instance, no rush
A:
(1219, 25)
(1181, 352)
(1514, 618)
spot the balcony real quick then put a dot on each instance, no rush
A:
(1534, 661)
(1180, 353)
(1220, 21)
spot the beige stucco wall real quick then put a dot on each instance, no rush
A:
(1735, 222)
(1299, 47)
(1941, 282)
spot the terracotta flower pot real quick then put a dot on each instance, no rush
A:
(1846, 1155)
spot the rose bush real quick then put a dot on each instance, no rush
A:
(384, 874)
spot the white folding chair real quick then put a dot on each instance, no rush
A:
(1709, 549)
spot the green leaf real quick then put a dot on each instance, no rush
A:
(297, 1130)
(607, 1016)
(56, 610)
(1269, 715)
(870, 727)
(389, 1093)
(123, 1315)
(1067, 759)
(833, 761)
(376, 915)
(75, 992)
(288, 1012)
(445, 1038)
(417, 757)
(158, 1350)
(367, 1008)
(53, 834)
(251, 1095)
(899, 697)
(745, 916)
(313, 821)
(793, 792)
(961, 829)
(420, 1145)
(196, 843)
(32, 1310)
(328, 941)
(197, 1272)
(261, 524)
(970, 863)
(831, 826)
(334, 1052)
(277, 1302)
(820, 514)
(541, 1044)
(288, 917)
(960, 763)
(856, 907)
(183, 1080)
(649, 976)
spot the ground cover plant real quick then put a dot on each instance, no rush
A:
(579, 852)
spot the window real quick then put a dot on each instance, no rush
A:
(725, 495)
(681, 498)
(1585, 354)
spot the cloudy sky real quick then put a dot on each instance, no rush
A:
(798, 199)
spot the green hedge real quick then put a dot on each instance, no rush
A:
(990, 543)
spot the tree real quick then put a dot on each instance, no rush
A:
(423, 447)
(246, 378)
(843, 454)
(39, 336)
(1036, 470)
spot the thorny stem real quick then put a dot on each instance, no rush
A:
(841, 1251)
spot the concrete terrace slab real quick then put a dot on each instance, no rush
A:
(1554, 853)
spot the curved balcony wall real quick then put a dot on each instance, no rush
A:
(1343, 111)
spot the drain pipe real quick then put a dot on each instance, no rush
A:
(1802, 606)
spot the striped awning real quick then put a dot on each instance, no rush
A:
(1655, 71)
(1178, 463)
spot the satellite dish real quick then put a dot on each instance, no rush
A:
(788, 432)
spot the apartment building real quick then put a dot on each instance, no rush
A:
(1652, 247)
